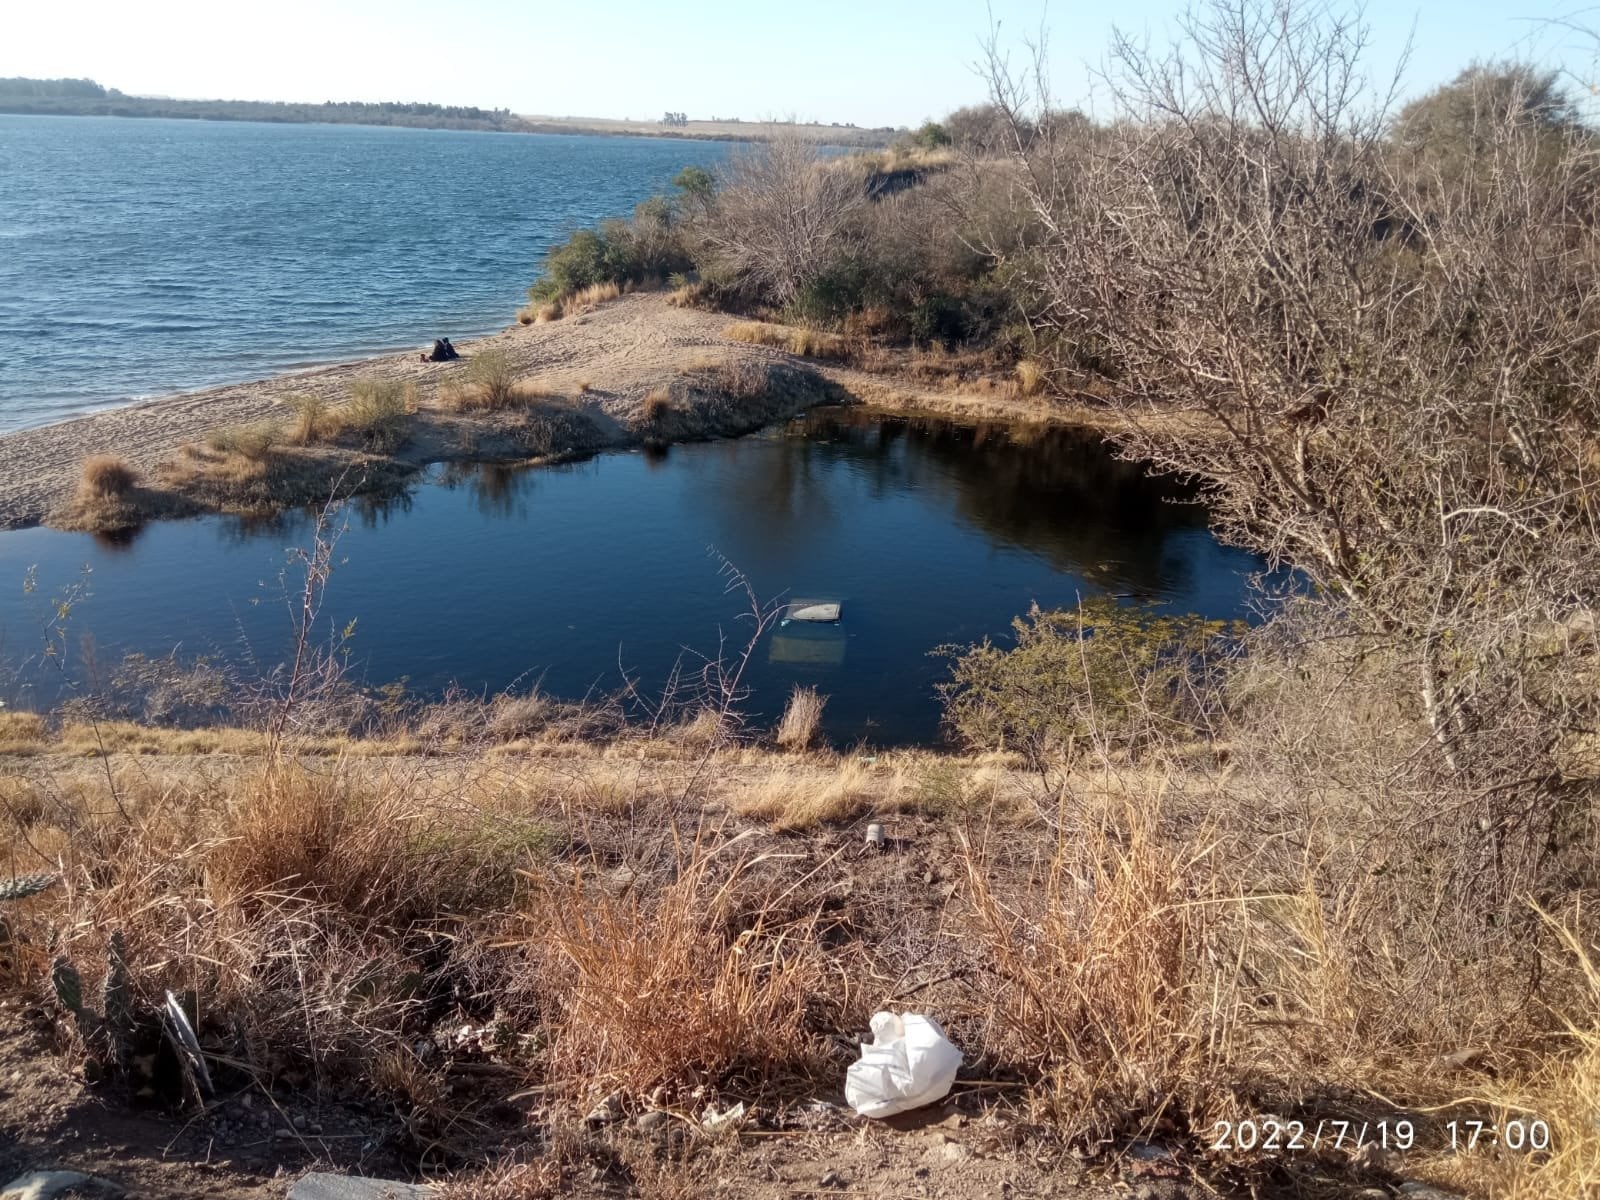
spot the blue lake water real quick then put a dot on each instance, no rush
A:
(574, 577)
(141, 257)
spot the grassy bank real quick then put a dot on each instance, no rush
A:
(1155, 910)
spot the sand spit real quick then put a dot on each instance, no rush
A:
(604, 365)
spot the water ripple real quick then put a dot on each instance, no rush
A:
(145, 257)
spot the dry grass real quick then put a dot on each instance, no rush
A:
(208, 479)
(311, 419)
(21, 732)
(701, 982)
(657, 404)
(1031, 377)
(690, 295)
(1142, 944)
(791, 800)
(1100, 977)
(105, 477)
(492, 375)
(802, 719)
(809, 343)
(254, 442)
(571, 304)
(378, 413)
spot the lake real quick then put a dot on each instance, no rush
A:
(142, 257)
(926, 532)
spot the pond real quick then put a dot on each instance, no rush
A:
(576, 578)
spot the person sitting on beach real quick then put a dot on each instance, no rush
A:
(449, 350)
(443, 351)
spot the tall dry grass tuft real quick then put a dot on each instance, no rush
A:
(1096, 972)
(700, 981)
(802, 719)
(311, 422)
(254, 442)
(569, 304)
(378, 412)
(105, 477)
(1030, 377)
(657, 404)
(1562, 1092)
(491, 373)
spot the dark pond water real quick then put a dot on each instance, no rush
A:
(928, 533)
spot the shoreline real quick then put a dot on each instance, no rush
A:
(634, 371)
(842, 137)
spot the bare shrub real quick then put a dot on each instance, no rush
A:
(781, 217)
(1384, 370)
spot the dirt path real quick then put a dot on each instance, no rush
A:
(607, 360)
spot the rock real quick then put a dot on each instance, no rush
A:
(321, 1185)
(47, 1185)
(955, 1152)
(607, 1111)
(653, 1119)
(1414, 1190)
(831, 1180)
(712, 1120)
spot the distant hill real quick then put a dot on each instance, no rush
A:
(86, 98)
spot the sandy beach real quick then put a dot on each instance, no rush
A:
(605, 362)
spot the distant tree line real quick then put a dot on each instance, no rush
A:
(84, 97)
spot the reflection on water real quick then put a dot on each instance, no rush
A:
(927, 533)
(1048, 490)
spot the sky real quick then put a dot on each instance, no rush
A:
(868, 62)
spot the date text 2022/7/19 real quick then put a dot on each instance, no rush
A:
(1271, 1134)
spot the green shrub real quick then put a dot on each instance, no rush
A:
(576, 263)
(1124, 675)
(696, 184)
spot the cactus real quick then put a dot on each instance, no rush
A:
(68, 987)
(117, 999)
(24, 886)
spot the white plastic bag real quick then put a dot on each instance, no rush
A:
(908, 1063)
